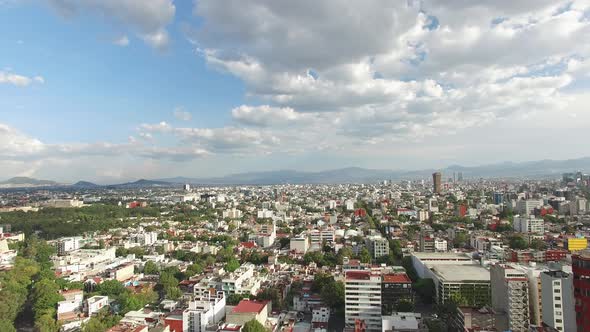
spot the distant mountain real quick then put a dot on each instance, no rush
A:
(26, 182)
(531, 169)
(85, 185)
(142, 183)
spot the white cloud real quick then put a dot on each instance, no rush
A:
(384, 71)
(121, 41)
(181, 114)
(19, 80)
(147, 18)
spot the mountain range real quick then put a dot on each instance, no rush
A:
(531, 169)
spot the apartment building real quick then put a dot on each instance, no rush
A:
(206, 311)
(362, 297)
(528, 224)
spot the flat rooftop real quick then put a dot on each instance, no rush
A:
(460, 272)
(440, 255)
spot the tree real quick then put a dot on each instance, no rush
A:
(44, 297)
(232, 264)
(110, 288)
(365, 256)
(460, 240)
(426, 289)
(404, 306)
(253, 326)
(151, 268)
(517, 242)
(6, 326)
(333, 294)
(538, 244)
(46, 323)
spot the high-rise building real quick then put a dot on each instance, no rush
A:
(437, 182)
(510, 298)
(378, 246)
(558, 300)
(460, 176)
(362, 298)
(187, 187)
(581, 270)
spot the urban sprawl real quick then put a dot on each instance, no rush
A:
(437, 254)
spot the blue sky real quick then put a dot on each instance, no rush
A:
(122, 89)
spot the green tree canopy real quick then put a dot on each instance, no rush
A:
(253, 326)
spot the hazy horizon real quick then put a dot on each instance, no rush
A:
(110, 91)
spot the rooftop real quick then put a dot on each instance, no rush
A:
(396, 278)
(461, 272)
(249, 306)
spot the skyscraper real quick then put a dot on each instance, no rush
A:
(437, 182)
(581, 270)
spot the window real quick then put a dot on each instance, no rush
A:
(558, 305)
(557, 290)
(558, 298)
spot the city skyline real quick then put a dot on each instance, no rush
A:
(116, 90)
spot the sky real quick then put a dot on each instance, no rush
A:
(117, 90)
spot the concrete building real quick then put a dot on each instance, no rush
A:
(241, 281)
(466, 285)
(528, 224)
(378, 246)
(206, 311)
(362, 298)
(528, 206)
(395, 288)
(248, 310)
(441, 245)
(423, 260)
(510, 298)
(299, 244)
(94, 304)
(403, 322)
(67, 244)
(558, 300)
(437, 182)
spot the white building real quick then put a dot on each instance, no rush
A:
(299, 244)
(264, 213)
(362, 297)
(95, 304)
(241, 281)
(232, 213)
(207, 311)
(67, 244)
(528, 224)
(350, 205)
(526, 207)
(441, 245)
(378, 246)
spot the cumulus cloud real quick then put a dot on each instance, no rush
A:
(147, 18)
(389, 71)
(19, 80)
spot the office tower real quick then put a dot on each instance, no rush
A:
(510, 298)
(460, 176)
(187, 187)
(498, 198)
(437, 182)
(581, 270)
(558, 300)
(362, 299)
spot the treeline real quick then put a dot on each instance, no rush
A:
(30, 288)
(57, 222)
